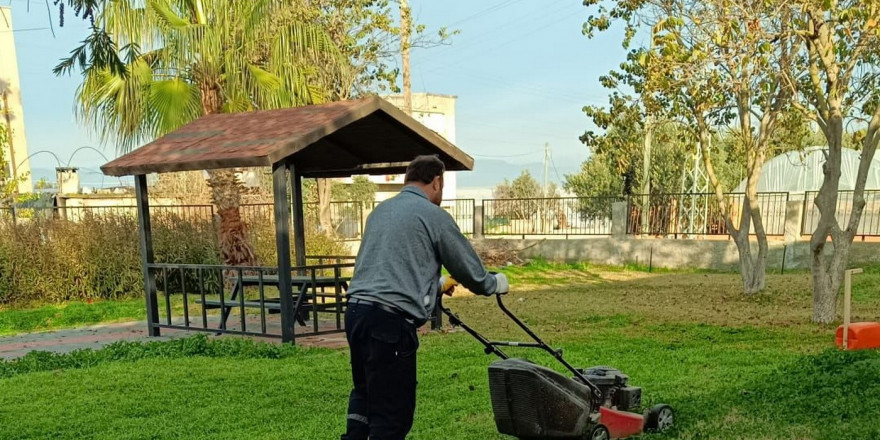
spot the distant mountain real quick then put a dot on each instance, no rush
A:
(489, 172)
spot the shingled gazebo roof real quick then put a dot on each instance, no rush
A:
(340, 139)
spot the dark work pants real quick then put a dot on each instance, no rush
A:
(383, 368)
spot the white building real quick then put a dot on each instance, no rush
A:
(436, 112)
(11, 113)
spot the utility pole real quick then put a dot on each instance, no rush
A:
(405, 31)
(646, 162)
(546, 163)
(646, 172)
(542, 219)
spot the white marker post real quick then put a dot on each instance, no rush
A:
(847, 303)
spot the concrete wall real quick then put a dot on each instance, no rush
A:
(11, 113)
(701, 254)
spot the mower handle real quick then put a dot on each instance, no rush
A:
(492, 346)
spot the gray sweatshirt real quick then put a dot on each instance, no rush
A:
(406, 240)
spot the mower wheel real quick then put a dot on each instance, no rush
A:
(599, 432)
(660, 418)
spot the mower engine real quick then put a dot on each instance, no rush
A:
(616, 392)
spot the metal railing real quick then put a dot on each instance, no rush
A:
(241, 300)
(669, 215)
(699, 214)
(79, 213)
(346, 218)
(462, 211)
(869, 224)
(548, 216)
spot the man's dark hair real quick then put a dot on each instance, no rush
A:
(424, 169)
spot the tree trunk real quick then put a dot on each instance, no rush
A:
(226, 189)
(235, 248)
(405, 33)
(752, 270)
(828, 269)
(324, 215)
(827, 276)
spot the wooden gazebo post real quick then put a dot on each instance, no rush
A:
(282, 243)
(145, 235)
(283, 204)
(299, 228)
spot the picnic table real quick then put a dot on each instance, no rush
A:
(306, 301)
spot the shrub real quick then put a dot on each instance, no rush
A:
(97, 256)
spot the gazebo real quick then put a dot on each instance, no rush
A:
(340, 139)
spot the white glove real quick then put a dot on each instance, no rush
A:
(501, 284)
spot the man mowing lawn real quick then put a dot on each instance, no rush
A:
(393, 291)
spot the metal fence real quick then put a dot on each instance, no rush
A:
(346, 218)
(241, 300)
(699, 214)
(548, 216)
(80, 213)
(664, 215)
(869, 225)
(462, 211)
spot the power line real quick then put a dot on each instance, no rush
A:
(519, 22)
(480, 38)
(493, 8)
(470, 122)
(527, 89)
(25, 30)
(555, 171)
(551, 22)
(504, 156)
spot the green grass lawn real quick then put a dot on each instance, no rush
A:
(732, 367)
(67, 315)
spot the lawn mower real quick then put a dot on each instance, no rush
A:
(533, 402)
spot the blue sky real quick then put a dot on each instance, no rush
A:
(521, 70)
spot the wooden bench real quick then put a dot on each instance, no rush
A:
(304, 301)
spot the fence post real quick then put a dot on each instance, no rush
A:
(478, 221)
(793, 221)
(618, 219)
(473, 204)
(360, 219)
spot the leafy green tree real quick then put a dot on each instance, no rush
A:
(596, 181)
(712, 63)
(837, 83)
(361, 189)
(519, 197)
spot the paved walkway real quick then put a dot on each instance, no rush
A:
(64, 341)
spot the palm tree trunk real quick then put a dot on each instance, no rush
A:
(325, 216)
(235, 247)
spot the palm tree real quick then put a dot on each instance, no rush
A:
(188, 58)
